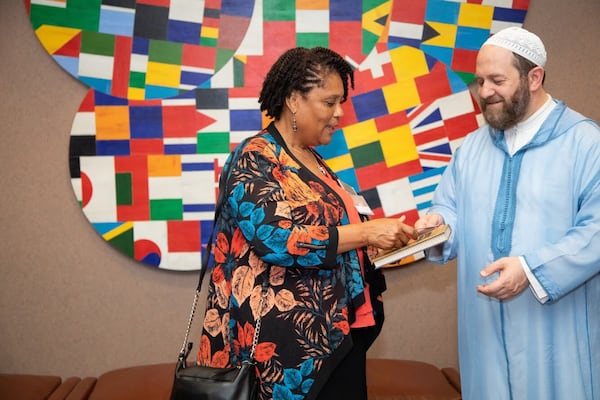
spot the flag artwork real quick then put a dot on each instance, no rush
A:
(173, 88)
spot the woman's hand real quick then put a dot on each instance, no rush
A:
(382, 233)
(388, 233)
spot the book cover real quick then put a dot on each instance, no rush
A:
(427, 239)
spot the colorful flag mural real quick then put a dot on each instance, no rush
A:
(452, 31)
(174, 87)
(144, 49)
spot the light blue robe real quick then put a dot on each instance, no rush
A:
(543, 203)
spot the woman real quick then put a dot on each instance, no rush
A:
(286, 221)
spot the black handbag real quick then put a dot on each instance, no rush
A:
(195, 382)
(206, 383)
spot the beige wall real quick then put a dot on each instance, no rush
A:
(71, 305)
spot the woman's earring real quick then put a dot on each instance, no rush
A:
(294, 124)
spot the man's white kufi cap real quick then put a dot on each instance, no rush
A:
(521, 42)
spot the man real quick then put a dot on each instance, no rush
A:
(522, 195)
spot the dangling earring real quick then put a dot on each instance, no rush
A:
(294, 124)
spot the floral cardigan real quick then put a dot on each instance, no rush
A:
(278, 218)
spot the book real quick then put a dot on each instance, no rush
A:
(429, 238)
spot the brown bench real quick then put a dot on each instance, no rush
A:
(43, 387)
(387, 379)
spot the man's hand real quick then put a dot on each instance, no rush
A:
(510, 282)
(428, 221)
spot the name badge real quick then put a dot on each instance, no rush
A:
(347, 187)
(361, 205)
(359, 201)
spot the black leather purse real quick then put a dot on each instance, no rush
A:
(195, 382)
(206, 383)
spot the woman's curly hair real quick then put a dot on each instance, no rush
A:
(301, 69)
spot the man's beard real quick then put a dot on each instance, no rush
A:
(512, 111)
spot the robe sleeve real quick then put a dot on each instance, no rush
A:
(562, 266)
(574, 258)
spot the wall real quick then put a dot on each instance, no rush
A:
(71, 305)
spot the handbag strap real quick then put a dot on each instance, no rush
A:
(187, 346)
(263, 296)
(219, 204)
